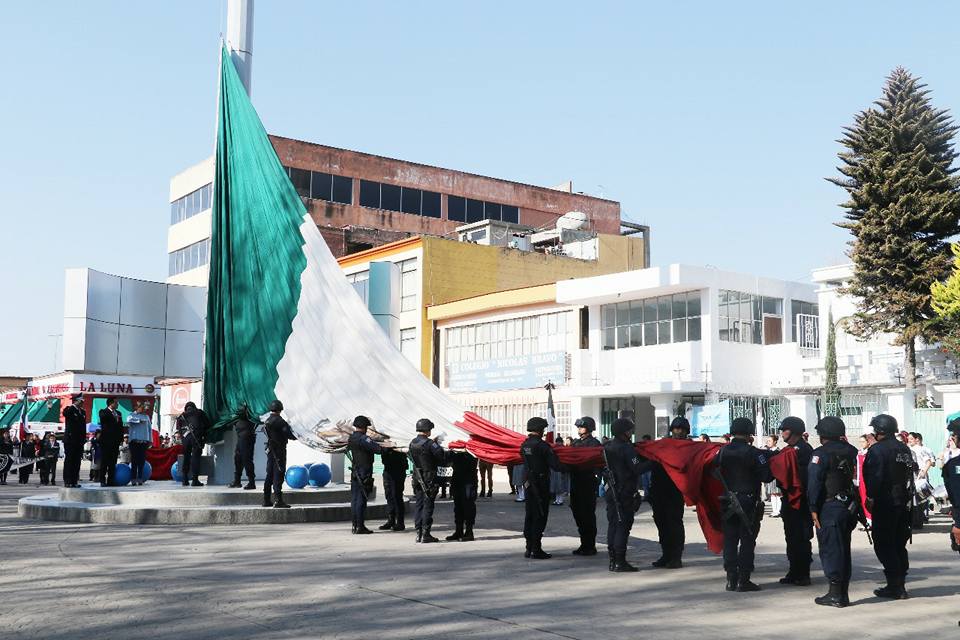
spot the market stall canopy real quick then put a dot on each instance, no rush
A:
(44, 410)
(11, 416)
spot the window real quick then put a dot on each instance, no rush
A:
(643, 323)
(189, 257)
(321, 186)
(301, 181)
(408, 344)
(342, 190)
(457, 208)
(408, 285)
(474, 210)
(431, 205)
(491, 211)
(506, 338)
(742, 318)
(376, 195)
(511, 214)
(370, 194)
(191, 204)
(390, 197)
(410, 200)
(799, 307)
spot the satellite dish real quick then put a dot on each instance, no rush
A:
(572, 220)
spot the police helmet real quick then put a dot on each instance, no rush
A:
(276, 406)
(793, 424)
(424, 425)
(361, 422)
(189, 406)
(586, 422)
(884, 423)
(742, 427)
(621, 426)
(536, 424)
(831, 427)
(680, 423)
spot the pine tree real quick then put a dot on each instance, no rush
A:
(831, 390)
(904, 205)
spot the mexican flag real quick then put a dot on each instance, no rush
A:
(282, 321)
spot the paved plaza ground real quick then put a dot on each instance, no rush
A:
(318, 581)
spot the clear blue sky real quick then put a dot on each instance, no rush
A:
(715, 123)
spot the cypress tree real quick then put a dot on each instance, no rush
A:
(946, 304)
(903, 207)
(831, 390)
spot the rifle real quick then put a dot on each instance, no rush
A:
(856, 510)
(416, 473)
(730, 496)
(613, 485)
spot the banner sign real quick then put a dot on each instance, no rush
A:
(711, 419)
(498, 374)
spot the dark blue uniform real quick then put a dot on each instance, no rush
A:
(246, 431)
(361, 448)
(888, 474)
(539, 459)
(583, 498)
(427, 457)
(951, 479)
(797, 523)
(626, 467)
(394, 479)
(278, 434)
(463, 490)
(830, 491)
(744, 468)
(667, 503)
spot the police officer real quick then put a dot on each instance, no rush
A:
(743, 468)
(463, 489)
(278, 433)
(246, 430)
(362, 449)
(427, 455)
(830, 496)
(394, 479)
(74, 437)
(667, 503)
(193, 423)
(951, 478)
(539, 458)
(797, 523)
(888, 474)
(583, 491)
(623, 470)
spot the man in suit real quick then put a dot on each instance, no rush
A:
(111, 435)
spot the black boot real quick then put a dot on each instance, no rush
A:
(458, 533)
(250, 485)
(419, 535)
(893, 590)
(540, 554)
(744, 584)
(467, 535)
(196, 483)
(845, 593)
(620, 564)
(833, 597)
(612, 561)
(427, 537)
(660, 562)
(526, 554)
(361, 529)
(387, 525)
(399, 526)
(280, 504)
(732, 579)
(235, 484)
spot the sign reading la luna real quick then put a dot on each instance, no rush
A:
(498, 374)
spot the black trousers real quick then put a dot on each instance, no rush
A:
(619, 524)
(360, 481)
(668, 516)
(537, 509)
(138, 458)
(243, 460)
(73, 453)
(891, 531)
(797, 533)
(273, 476)
(464, 505)
(424, 500)
(486, 478)
(393, 491)
(833, 539)
(192, 453)
(583, 504)
(108, 464)
(48, 471)
(739, 540)
(24, 473)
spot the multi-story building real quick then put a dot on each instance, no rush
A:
(361, 201)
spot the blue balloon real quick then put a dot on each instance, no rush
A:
(147, 470)
(296, 477)
(121, 476)
(320, 475)
(175, 471)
